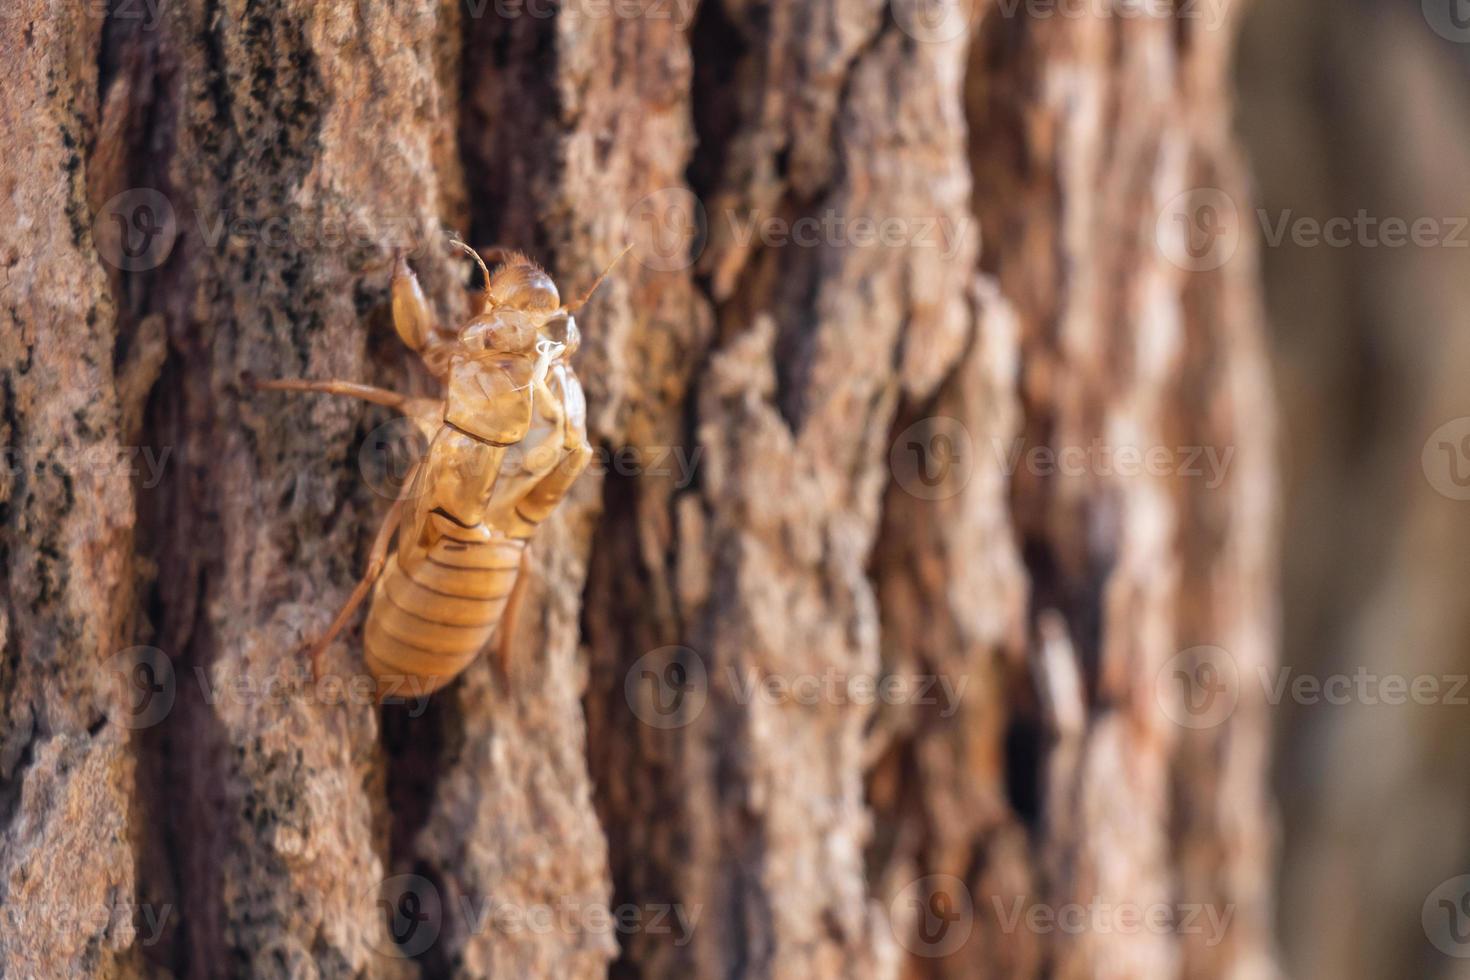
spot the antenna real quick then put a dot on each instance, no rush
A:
(484, 271)
(574, 307)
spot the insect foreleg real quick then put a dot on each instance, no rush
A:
(414, 320)
(533, 508)
(542, 499)
(412, 317)
(550, 406)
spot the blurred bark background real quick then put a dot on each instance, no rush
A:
(855, 507)
(1352, 108)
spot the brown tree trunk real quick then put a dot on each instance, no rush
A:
(818, 479)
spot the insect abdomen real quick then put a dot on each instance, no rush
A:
(432, 616)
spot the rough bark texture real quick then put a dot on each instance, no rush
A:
(624, 763)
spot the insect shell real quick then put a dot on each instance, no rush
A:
(505, 444)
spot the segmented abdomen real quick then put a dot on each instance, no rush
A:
(431, 616)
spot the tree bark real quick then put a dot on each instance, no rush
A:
(816, 467)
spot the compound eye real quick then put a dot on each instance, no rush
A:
(563, 330)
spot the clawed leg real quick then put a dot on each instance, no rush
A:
(412, 316)
(528, 513)
(419, 408)
(543, 498)
(377, 558)
(550, 407)
(367, 393)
